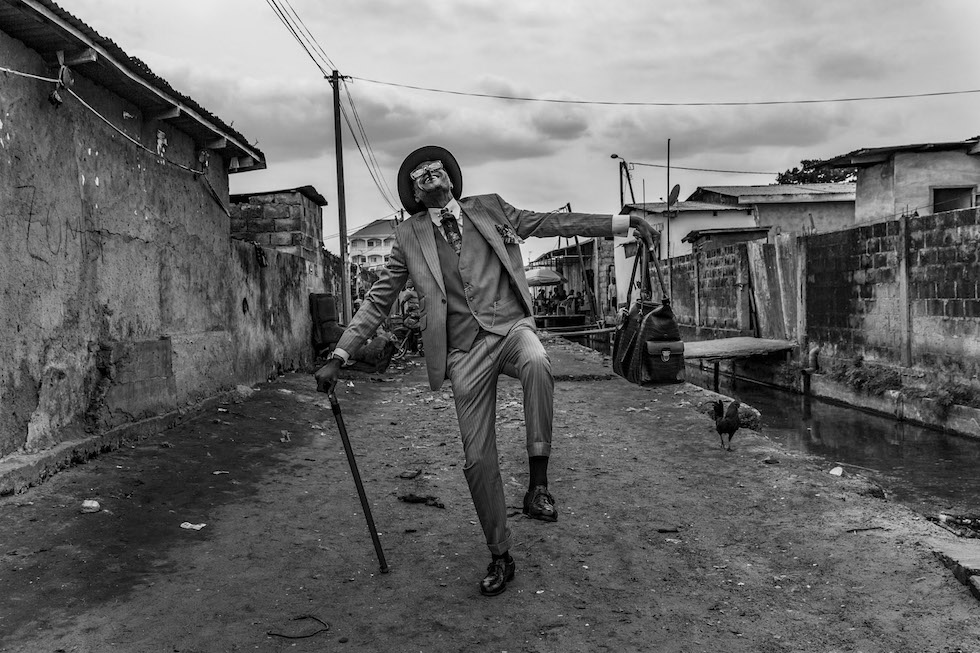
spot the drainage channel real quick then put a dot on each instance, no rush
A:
(928, 470)
(925, 469)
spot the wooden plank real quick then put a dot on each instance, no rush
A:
(731, 348)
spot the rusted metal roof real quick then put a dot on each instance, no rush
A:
(48, 29)
(873, 155)
(660, 207)
(381, 228)
(780, 189)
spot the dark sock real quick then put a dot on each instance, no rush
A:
(539, 471)
(505, 555)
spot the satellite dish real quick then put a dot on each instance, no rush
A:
(674, 192)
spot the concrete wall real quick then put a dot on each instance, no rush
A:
(904, 183)
(121, 292)
(687, 221)
(795, 217)
(268, 307)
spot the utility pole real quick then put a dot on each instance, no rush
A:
(341, 200)
(670, 265)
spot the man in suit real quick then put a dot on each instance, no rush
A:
(464, 256)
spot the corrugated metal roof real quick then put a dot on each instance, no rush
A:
(48, 29)
(660, 207)
(873, 155)
(781, 189)
(694, 234)
(379, 228)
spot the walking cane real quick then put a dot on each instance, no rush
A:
(335, 405)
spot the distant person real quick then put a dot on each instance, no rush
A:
(465, 259)
(611, 299)
(408, 299)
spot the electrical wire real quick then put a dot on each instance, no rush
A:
(310, 38)
(285, 20)
(355, 227)
(197, 173)
(734, 172)
(53, 80)
(294, 23)
(519, 98)
(371, 161)
(129, 138)
(364, 157)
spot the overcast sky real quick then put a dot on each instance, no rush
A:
(236, 59)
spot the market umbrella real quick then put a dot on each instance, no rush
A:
(543, 277)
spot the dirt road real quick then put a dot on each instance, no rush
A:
(665, 541)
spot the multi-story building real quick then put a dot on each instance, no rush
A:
(370, 246)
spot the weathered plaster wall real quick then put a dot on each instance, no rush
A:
(904, 183)
(916, 174)
(875, 193)
(794, 217)
(116, 297)
(269, 309)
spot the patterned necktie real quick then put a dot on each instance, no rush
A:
(451, 229)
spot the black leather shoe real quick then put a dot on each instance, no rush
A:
(499, 573)
(539, 504)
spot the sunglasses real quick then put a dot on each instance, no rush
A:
(419, 172)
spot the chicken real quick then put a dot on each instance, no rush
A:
(726, 421)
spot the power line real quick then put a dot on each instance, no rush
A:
(361, 150)
(285, 20)
(372, 161)
(734, 172)
(311, 39)
(519, 98)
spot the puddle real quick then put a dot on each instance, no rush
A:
(926, 469)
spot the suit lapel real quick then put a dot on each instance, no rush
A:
(487, 226)
(427, 241)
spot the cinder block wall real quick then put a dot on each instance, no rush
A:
(901, 292)
(287, 221)
(944, 290)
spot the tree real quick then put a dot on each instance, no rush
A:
(811, 172)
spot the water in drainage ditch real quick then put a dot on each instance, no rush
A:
(926, 469)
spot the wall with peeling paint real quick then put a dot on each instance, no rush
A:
(121, 293)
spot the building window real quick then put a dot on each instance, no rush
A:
(374, 260)
(951, 199)
(373, 242)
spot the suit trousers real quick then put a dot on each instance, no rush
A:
(473, 375)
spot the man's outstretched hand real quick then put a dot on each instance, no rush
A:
(326, 377)
(644, 232)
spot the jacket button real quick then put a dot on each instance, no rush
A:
(443, 300)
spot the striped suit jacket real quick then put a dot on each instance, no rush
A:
(414, 255)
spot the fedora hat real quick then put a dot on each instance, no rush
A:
(406, 187)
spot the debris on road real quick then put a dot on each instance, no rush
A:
(428, 500)
(90, 505)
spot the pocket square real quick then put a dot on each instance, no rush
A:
(509, 235)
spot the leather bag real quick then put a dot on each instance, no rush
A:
(646, 321)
